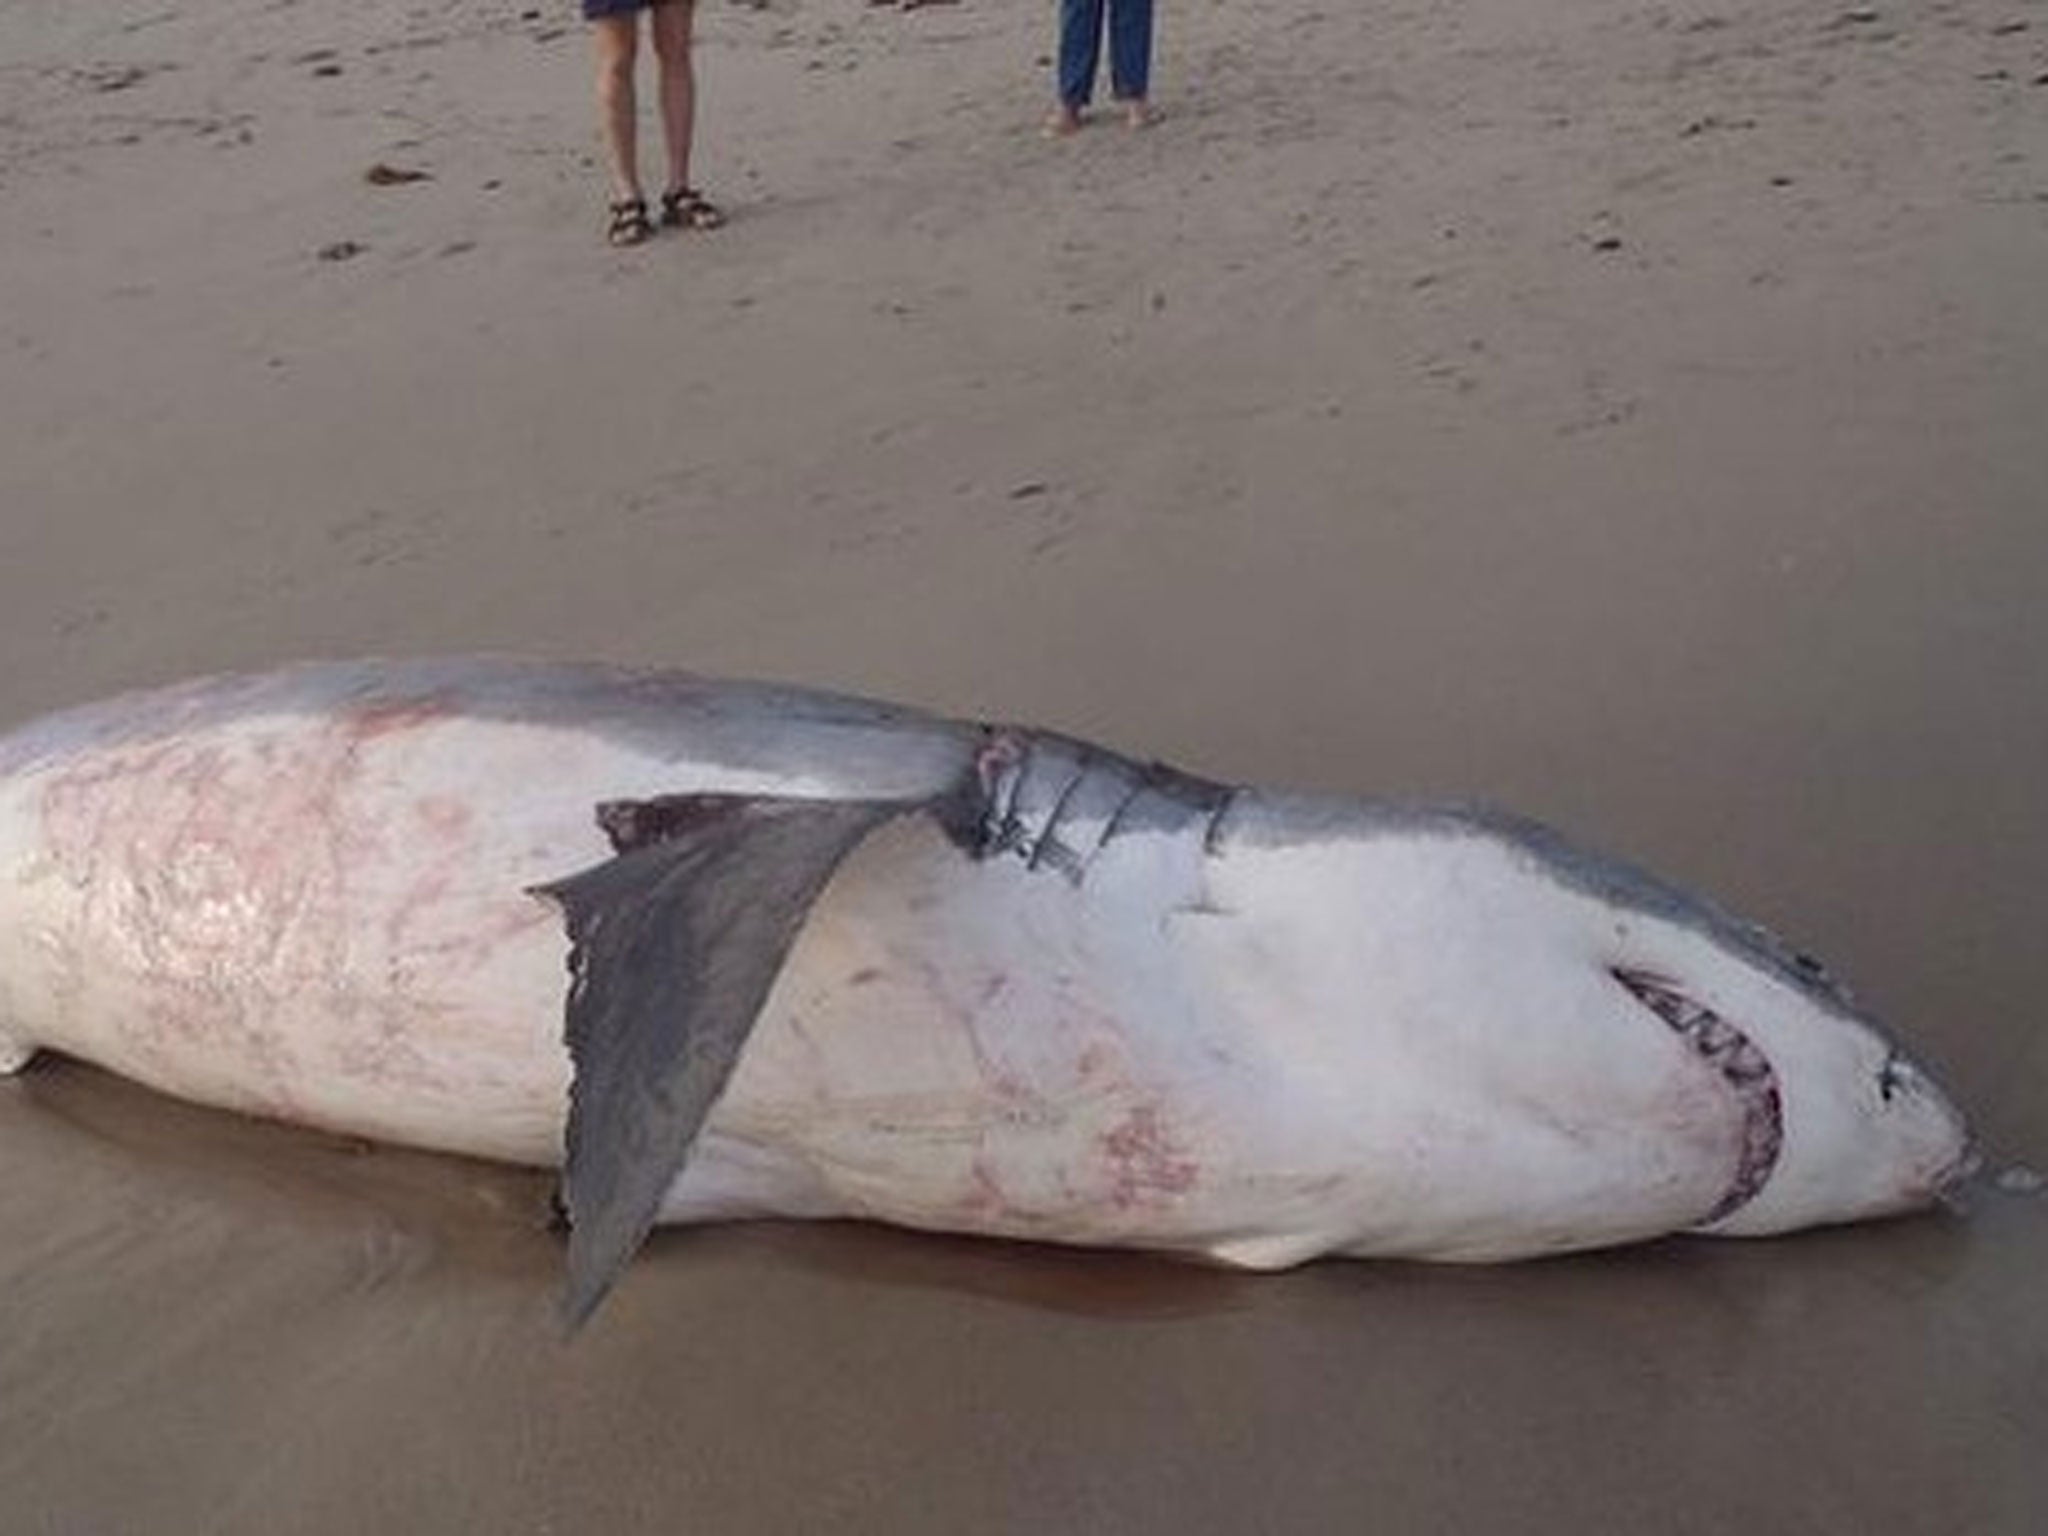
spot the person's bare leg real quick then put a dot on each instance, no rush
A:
(674, 23)
(617, 44)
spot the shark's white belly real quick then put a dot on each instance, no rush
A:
(326, 922)
(975, 1047)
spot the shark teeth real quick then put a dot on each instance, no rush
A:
(1741, 1065)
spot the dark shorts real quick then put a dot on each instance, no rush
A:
(597, 10)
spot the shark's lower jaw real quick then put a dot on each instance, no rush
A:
(1741, 1065)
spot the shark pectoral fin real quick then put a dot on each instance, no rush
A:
(674, 947)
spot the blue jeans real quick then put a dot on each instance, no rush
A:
(1130, 48)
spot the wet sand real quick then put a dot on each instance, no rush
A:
(1630, 415)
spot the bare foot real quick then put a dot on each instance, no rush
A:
(1137, 114)
(1063, 122)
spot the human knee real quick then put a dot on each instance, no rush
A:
(672, 27)
(617, 45)
(615, 80)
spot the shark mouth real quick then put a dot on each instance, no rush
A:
(1741, 1065)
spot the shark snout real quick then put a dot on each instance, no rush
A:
(1948, 1179)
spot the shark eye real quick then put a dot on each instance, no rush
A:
(1891, 1077)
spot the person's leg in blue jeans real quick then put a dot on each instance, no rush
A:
(1080, 55)
(1130, 56)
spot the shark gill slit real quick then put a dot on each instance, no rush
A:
(1048, 837)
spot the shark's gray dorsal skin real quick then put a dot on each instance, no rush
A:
(675, 944)
(831, 957)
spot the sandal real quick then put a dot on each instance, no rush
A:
(687, 208)
(629, 224)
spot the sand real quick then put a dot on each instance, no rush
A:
(1635, 414)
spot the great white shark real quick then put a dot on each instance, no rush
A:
(723, 950)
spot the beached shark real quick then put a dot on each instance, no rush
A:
(722, 950)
